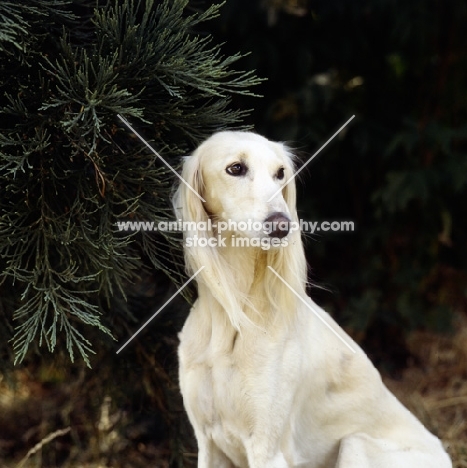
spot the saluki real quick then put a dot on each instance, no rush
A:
(268, 378)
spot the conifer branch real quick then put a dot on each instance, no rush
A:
(69, 171)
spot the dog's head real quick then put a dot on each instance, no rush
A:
(245, 182)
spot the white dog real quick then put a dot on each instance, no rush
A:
(268, 379)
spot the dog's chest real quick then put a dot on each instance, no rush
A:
(219, 401)
(225, 389)
(215, 383)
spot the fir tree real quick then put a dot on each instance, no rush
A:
(69, 170)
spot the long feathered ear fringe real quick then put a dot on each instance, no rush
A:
(216, 276)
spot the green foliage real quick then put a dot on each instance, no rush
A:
(399, 170)
(69, 171)
(18, 18)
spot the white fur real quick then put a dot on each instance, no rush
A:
(264, 382)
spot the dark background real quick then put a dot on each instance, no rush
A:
(399, 170)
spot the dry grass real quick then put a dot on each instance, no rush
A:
(434, 387)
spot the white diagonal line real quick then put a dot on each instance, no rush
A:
(317, 152)
(312, 309)
(161, 158)
(154, 315)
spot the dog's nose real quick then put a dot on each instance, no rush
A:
(277, 225)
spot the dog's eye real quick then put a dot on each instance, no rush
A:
(237, 169)
(280, 173)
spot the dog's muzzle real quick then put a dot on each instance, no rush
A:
(277, 225)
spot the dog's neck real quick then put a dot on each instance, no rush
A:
(245, 284)
(248, 267)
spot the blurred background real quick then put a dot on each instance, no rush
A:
(397, 283)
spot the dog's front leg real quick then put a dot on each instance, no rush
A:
(272, 403)
(263, 446)
(209, 455)
(261, 456)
